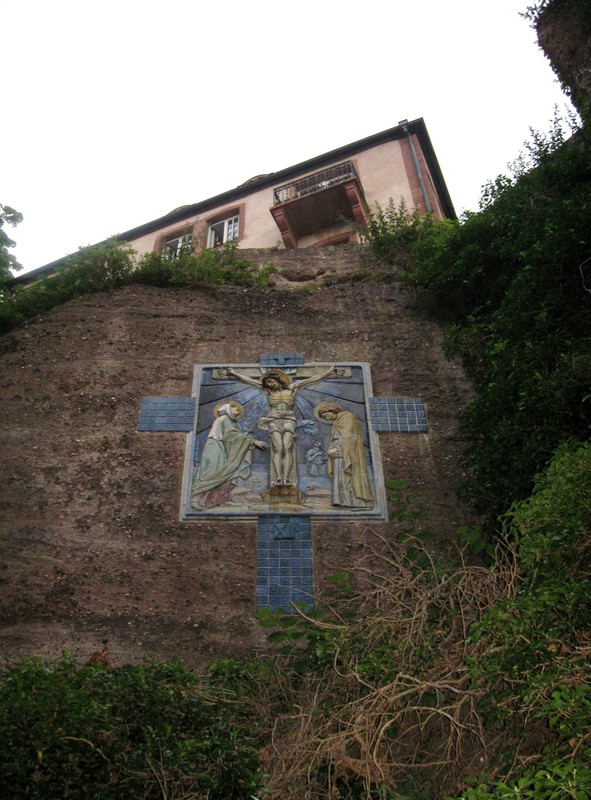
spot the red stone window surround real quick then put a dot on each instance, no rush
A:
(185, 230)
(223, 216)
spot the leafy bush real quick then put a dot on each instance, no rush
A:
(369, 693)
(106, 267)
(551, 534)
(555, 780)
(413, 672)
(219, 266)
(532, 647)
(148, 731)
(93, 269)
(392, 234)
(8, 261)
(513, 284)
(97, 269)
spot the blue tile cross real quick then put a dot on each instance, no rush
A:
(167, 414)
(284, 566)
(284, 543)
(398, 414)
(281, 359)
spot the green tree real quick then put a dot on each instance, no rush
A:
(8, 216)
(512, 283)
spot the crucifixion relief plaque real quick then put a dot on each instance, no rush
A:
(283, 442)
(290, 440)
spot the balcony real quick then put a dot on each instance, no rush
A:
(317, 202)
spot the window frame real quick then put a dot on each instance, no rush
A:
(231, 225)
(184, 236)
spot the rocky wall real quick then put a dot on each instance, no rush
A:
(564, 34)
(92, 545)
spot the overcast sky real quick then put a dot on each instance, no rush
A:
(116, 112)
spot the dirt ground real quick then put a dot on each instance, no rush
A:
(92, 545)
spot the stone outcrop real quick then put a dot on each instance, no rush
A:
(93, 548)
(564, 34)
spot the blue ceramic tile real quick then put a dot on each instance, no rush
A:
(398, 414)
(166, 414)
(280, 359)
(284, 562)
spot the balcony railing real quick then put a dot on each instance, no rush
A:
(314, 183)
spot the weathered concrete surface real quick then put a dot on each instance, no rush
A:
(92, 546)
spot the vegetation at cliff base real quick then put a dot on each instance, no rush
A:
(512, 285)
(415, 678)
(148, 731)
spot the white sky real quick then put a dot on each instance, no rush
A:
(116, 112)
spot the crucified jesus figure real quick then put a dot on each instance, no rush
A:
(280, 422)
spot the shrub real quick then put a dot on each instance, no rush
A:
(93, 269)
(147, 731)
(512, 283)
(220, 266)
(106, 267)
(393, 232)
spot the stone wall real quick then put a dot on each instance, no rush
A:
(564, 34)
(93, 548)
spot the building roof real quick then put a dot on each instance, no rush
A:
(416, 127)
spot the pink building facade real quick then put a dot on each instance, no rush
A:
(318, 202)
